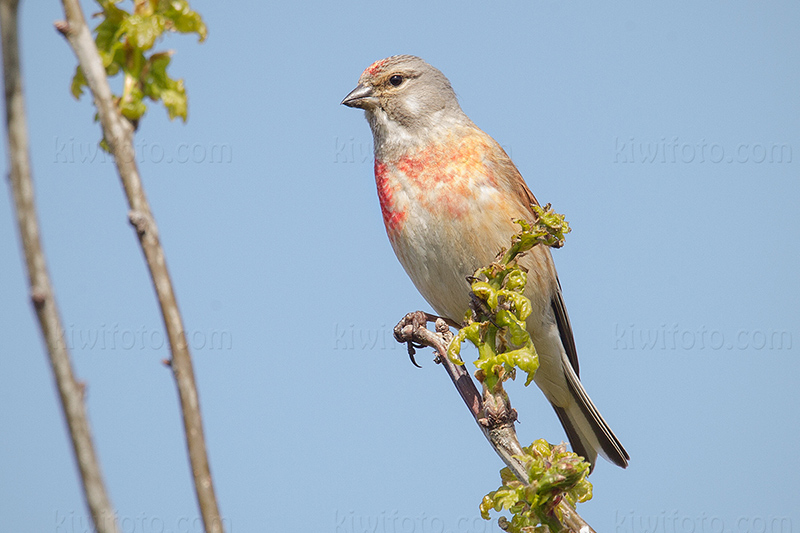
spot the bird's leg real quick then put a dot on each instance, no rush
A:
(408, 331)
(413, 331)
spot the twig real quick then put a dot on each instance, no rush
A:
(118, 133)
(492, 411)
(42, 295)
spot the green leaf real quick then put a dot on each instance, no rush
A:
(176, 102)
(78, 83)
(183, 18)
(124, 38)
(109, 32)
(159, 86)
(553, 473)
(143, 30)
(485, 292)
(516, 280)
(132, 107)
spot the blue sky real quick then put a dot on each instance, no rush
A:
(668, 133)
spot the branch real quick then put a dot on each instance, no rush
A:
(42, 295)
(491, 410)
(118, 134)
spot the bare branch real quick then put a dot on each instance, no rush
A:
(118, 133)
(491, 410)
(42, 295)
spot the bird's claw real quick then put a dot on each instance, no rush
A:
(411, 352)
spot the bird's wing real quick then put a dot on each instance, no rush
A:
(523, 191)
(517, 184)
(557, 303)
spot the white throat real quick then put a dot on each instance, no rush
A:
(393, 139)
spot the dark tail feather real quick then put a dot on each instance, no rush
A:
(578, 446)
(588, 433)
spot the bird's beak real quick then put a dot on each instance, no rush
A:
(361, 96)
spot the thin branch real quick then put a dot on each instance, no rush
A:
(42, 295)
(118, 133)
(492, 411)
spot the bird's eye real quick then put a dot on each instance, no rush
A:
(396, 80)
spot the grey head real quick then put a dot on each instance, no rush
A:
(406, 101)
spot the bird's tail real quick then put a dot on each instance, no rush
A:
(588, 433)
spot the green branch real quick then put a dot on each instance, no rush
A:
(554, 473)
(496, 326)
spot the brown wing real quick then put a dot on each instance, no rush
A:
(526, 194)
(515, 181)
(526, 197)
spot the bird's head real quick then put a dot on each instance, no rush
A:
(406, 100)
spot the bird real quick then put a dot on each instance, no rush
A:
(449, 195)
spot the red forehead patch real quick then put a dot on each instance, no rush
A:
(375, 67)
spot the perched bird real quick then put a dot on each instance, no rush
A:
(448, 193)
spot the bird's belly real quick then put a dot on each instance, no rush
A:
(438, 257)
(439, 251)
